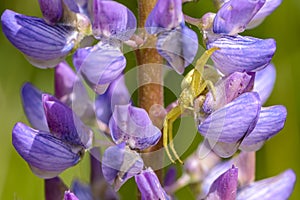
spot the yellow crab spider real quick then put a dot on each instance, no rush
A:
(193, 85)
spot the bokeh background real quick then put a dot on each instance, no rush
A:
(277, 155)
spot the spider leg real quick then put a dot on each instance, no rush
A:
(168, 132)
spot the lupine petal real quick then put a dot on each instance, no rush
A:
(52, 10)
(264, 82)
(179, 47)
(242, 54)
(234, 16)
(132, 125)
(44, 151)
(33, 107)
(226, 90)
(82, 191)
(116, 94)
(232, 122)
(213, 174)
(225, 186)
(100, 65)
(271, 120)
(274, 188)
(166, 15)
(64, 81)
(44, 45)
(149, 185)
(112, 20)
(70, 196)
(54, 188)
(267, 9)
(119, 163)
(64, 124)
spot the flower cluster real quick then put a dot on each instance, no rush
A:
(227, 103)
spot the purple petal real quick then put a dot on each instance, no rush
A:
(166, 15)
(179, 47)
(33, 107)
(64, 81)
(119, 163)
(267, 9)
(225, 186)
(70, 196)
(149, 185)
(54, 188)
(112, 20)
(132, 125)
(271, 120)
(170, 176)
(52, 10)
(116, 94)
(213, 174)
(44, 151)
(234, 16)
(242, 54)
(44, 45)
(226, 89)
(264, 82)
(274, 188)
(112, 64)
(64, 124)
(233, 121)
(81, 190)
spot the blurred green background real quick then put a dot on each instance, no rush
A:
(277, 155)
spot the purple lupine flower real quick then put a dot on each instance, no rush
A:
(242, 53)
(116, 94)
(33, 107)
(270, 121)
(132, 125)
(267, 9)
(51, 151)
(176, 42)
(225, 128)
(264, 82)
(131, 129)
(112, 20)
(225, 186)
(81, 190)
(65, 79)
(64, 124)
(149, 185)
(70, 196)
(42, 44)
(222, 117)
(52, 10)
(234, 15)
(277, 187)
(54, 188)
(47, 155)
(98, 76)
(120, 163)
(112, 27)
(237, 53)
(166, 15)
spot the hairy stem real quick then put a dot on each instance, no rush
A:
(150, 78)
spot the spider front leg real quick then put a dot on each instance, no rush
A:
(168, 131)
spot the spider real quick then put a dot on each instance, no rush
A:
(193, 86)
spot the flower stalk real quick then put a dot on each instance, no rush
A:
(150, 76)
